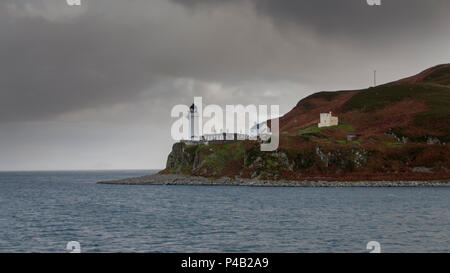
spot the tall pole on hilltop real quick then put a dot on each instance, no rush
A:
(374, 78)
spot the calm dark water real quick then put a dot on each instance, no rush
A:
(42, 211)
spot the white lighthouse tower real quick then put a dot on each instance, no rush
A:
(193, 122)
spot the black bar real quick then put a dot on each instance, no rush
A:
(227, 262)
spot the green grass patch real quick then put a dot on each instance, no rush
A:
(437, 97)
(440, 76)
(394, 144)
(220, 155)
(346, 127)
(314, 129)
(191, 149)
(310, 130)
(326, 95)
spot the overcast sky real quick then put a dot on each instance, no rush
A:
(91, 87)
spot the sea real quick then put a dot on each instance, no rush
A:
(44, 211)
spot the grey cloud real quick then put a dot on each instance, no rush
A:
(353, 19)
(113, 51)
(52, 67)
(58, 59)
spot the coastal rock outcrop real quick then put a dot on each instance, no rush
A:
(244, 159)
(394, 131)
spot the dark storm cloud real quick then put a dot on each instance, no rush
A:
(57, 59)
(354, 19)
(49, 67)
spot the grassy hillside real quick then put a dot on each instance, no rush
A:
(416, 108)
(440, 76)
(403, 130)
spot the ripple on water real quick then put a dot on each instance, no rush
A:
(42, 211)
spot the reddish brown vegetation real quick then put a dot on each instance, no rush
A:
(307, 111)
(376, 124)
(421, 77)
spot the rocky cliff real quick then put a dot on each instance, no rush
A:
(319, 162)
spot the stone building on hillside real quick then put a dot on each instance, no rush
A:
(327, 120)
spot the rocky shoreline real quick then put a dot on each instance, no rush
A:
(173, 179)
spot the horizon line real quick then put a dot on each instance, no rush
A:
(78, 170)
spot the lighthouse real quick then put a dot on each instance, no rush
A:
(193, 122)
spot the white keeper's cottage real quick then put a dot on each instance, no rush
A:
(327, 120)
